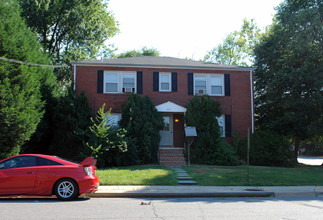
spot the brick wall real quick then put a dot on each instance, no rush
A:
(238, 105)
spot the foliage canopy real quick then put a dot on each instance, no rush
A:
(21, 106)
(237, 47)
(138, 53)
(289, 74)
(70, 30)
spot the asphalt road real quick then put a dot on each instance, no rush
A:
(166, 208)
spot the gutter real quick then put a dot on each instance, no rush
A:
(252, 104)
(165, 66)
(74, 86)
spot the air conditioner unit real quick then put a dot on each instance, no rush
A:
(200, 91)
(128, 89)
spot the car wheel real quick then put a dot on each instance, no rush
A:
(66, 189)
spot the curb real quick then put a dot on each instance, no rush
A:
(183, 195)
(195, 191)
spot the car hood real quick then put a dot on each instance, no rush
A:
(89, 161)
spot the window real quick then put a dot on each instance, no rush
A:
(128, 82)
(216, 83)
(119, 82)
(221, 122)
(113, 120)
(111, 82)
(200, 85)
(211, 84)
(16, 162)
(165, 82)
(166, 123)
(46, 162)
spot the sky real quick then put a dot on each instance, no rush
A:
(184, 28)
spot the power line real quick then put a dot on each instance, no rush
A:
(33, 64)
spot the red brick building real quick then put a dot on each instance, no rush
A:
(170, 83)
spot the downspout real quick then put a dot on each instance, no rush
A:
(74, 86)
(252, 105)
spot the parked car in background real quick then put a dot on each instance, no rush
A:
(37, 174)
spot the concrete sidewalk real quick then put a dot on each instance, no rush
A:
(208, 191)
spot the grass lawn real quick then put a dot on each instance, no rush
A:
(137, 175)
(258, 176)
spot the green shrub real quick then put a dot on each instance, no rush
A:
(142, 122)
(267, 149)
(225, 155)
(105, 143)
(209, 147)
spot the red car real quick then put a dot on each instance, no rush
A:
(36, 174)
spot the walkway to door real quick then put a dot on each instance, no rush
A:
(182, 177)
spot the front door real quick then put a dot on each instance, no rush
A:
(166, 135)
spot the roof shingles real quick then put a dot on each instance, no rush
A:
(158, 62)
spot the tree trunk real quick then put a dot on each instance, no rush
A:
(297, 143)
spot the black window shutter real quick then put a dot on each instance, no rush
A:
(156, 81)
(100, 81)
(174, 82)
(227, 91)
(139, 82)
(227, 125)
(190, 83)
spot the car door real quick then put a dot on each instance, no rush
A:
(46, 176)
(18, 175)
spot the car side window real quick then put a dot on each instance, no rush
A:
(17, 162)
(2, 165)
(46, 162)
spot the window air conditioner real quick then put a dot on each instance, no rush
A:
(200, 92)
(128, 89)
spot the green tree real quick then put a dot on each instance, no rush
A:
(208, 148)
(289, 75)
(313, 146)
(104, 137)
(237, 47)
(21, 107)
(70, 30)
(143, 123)
(62, 130)
(71, 117)
(138, 53)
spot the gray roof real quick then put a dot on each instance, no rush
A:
(158, 62)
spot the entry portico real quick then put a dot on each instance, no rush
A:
(172, 135)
